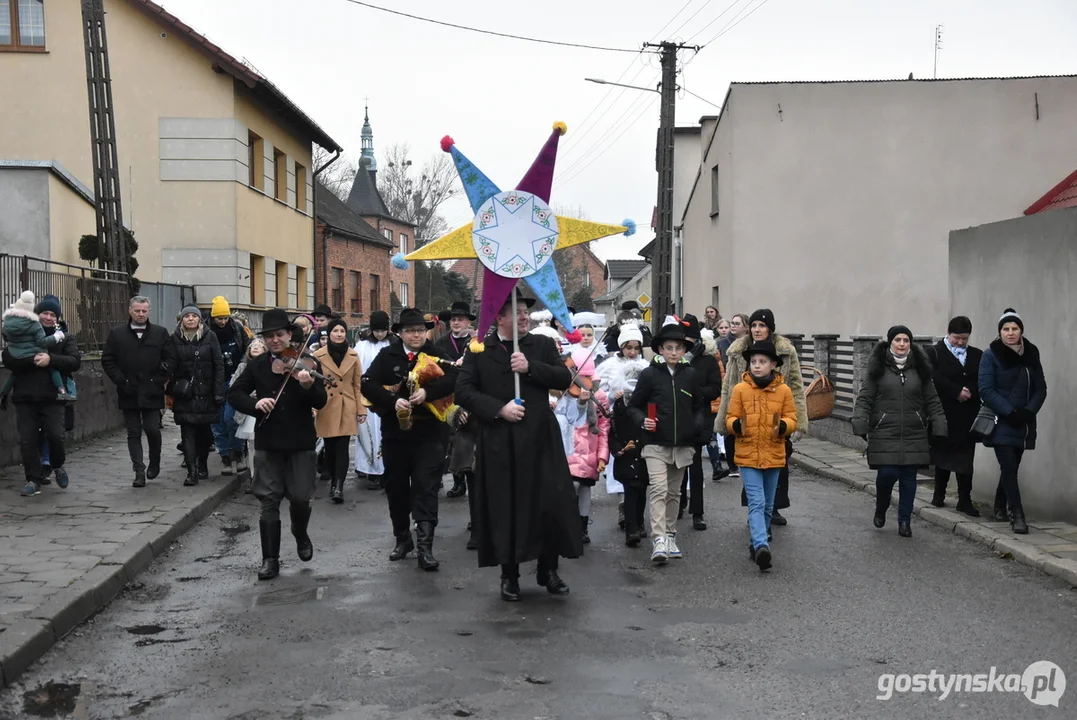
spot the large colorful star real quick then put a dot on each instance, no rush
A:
(515, 234)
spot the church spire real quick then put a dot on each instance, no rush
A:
(367, 158)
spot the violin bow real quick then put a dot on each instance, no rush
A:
(288, 373)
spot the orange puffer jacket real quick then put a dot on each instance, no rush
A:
(759, 444)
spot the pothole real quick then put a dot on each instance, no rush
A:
(52, 699)
(145, 629)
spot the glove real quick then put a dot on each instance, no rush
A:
(796, 436)
(737, 427)
(1025, 415)
(863, 437)
(1014, 419)
(782, 428)
(59, 335)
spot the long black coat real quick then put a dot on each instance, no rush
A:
(200, 362)
(290, 427)
(524, 499)
(136, 366)
(1009, 382)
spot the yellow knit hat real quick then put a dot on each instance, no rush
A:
(220, 307)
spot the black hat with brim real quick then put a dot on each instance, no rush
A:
(669, 332)
(323, 310)
(275, 319)
(521, 298)
(461, 309)
(410, 317)
(763, 347)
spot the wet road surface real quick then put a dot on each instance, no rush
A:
(351, 635)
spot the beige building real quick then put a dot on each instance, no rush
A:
(832, 202)
(215, 161)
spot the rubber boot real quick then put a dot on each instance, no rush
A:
(404, 545)
(300, 513)
(425, 546)
(270, 532)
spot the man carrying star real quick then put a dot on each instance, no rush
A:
(525, 505)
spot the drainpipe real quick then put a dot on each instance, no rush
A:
(325, 244)
(677, 280)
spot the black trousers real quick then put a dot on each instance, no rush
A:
(197, 441)
(730, 441)
(1008, 491)
(781, 496)
(413, 468)
(37, 421)
(964, 483)
(693, 481)
(546, 562)
(283, 474)
(139, 422)
(635, 502)
(336, 457)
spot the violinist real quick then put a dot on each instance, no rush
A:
(413, 439)
(284, 437)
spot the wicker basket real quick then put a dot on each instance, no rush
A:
(819, 395)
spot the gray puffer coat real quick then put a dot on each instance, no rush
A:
(897, 409)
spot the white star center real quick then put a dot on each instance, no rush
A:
(514, 234)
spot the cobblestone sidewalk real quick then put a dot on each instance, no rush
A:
(1049, 546)
(65, 554)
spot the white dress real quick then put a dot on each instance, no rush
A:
(368, 446)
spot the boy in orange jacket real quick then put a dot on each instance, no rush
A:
(761, 415)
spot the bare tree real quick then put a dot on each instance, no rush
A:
(572, 264)
(339, 176)
(417, 195)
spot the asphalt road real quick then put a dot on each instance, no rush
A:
(350, 635)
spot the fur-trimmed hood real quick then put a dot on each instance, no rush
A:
(1008, 358)
(881, 359)
(18, 312)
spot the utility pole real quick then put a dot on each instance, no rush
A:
(661, 261)
(112, 253)
(938, 46)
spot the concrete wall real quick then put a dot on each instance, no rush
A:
(848, 192)
(96, 412)
(1029, 264)
(71, 216)
(24, 222)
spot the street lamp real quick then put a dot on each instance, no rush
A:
(633, 87)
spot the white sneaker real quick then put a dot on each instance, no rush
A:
(658, 554)
(734, 473)
(671, 547)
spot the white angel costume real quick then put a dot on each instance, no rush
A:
(368, 442)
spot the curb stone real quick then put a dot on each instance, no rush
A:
(28, 640)
(1020, 551)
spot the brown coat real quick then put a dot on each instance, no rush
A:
(339, 417)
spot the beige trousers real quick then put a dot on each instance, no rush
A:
(665, 466)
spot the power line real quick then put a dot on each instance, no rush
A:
(701, 98)
(576, 142)
(697, 12)
(490, 32)
(614, 126)
(729, 27)
(611, 143)
(683, 8)
(702, 29)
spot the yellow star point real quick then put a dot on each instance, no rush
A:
(455, 245)
(577, 232)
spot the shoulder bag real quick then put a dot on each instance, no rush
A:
(984, 424)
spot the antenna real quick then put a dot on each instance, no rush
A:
(938, 46)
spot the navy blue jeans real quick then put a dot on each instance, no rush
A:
(905, 477)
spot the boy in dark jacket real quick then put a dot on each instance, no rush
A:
(668, 405)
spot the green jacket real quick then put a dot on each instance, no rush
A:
(898, 409)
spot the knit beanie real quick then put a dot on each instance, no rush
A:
(764, 316)
(1010, 315)
(379, 320)
(49, 303)
(332, 324)
(959, 325)
(630, 333)
(190, 310)
(898, 330)
(25, 302)
(220, 307)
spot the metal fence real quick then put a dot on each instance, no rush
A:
(166, 301)
(843, 376)
(92, 301)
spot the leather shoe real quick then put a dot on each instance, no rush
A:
(698, 523)
(472, 543)
(153, 471)
(404, 544)
(510, 589)
(777, 519)
(552, 582)
(904, 529)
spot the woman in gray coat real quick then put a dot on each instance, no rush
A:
(896, 410)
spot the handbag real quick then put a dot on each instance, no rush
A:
(984, 424)
(180, 389)
(819, 397)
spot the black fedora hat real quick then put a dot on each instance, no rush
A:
(461, 309)
(410, 317)
(323, 310)
(763, 347)
(669, 332)
(275, 319)
(692, 328)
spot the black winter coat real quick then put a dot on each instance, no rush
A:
(1009, 382)
(524, 499)
(681, 412)
(628, 466)
(452, 348)
(33, 384)
(290, 427)
(136, 366)
(897, 409)
(390, 368)
(949, 376)
(199, 363)
(233, 341)
(709, 374)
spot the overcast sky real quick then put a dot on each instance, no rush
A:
(499, 97)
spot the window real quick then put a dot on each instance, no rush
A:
(282, 285)
(404, 247)
(375, 293)
(302, 299)
(714, 191)
(403, 294)
(22, 25)
(714, 297)
(587, 280)
(356, 291)
(255, 161)
(300, 188)
(387, 233)
(280, 175)
(336, 283)
(258, 280)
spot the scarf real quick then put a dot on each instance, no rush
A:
(1019, 348)
(764, 381)
(899, 360)
(961, 353)
(337, 351)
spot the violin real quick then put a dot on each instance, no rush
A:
(291, 362)
(581, 383)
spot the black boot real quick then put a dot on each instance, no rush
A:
(964, 496)
(270, 532)
(336, 491)
(300, 513)
(1017, 522)
(698, 522)
(880, 515)
(425, 546)
(203, 467)
(777, 519)
(942, 479)
(549, 579)
(904, 529)
(1001, 515)
(404, 545)
(585, 521)
(459, 487)
(472, 541)
(510, 588)
(374, 482)
(621, 515)
(192, 475)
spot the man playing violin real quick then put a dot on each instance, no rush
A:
(284, 437)
(413, 439)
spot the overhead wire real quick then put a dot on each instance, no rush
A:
(564, 181)
(716, 19)
(693, 17)
(737, 20)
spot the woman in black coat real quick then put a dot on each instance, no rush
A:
(193, 360)
(955, 372)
